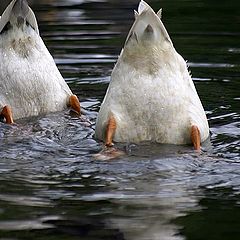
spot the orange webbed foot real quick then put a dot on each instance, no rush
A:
(109, 152)
(196, 138)
(74, 104)
(110, 131)
(6, 113)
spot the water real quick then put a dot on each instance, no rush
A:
(50, 185)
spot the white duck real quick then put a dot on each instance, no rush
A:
(30, 82)
(151, 96)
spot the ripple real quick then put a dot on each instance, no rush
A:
(25, 200)
(82, 60)
(49, 180)
(211, 65)
(234, 50)
(33, 224)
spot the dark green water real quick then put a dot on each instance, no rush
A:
(51, 188)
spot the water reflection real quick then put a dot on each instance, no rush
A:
(50, 185)
(213, 217)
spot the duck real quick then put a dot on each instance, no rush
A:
(151, 95)
(30, 82)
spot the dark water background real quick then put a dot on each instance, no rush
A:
(50, 185)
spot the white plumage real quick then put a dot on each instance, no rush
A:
(30, 82)
(151, 94)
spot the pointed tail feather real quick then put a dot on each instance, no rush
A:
(18, 10)
(143, 6)
(6, 15)
(147, 26)
(31, 19)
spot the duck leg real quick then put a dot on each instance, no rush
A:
(110, 131)
(195, 137)
(109, 152)
(7, 114)
(74, 104)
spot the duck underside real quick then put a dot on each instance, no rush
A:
(161, 107)
(32, 94)
(29, 79)
(148, 123)
(30, 82)
(151, 96)
(170, 126)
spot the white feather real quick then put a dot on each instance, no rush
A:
(30, 81)
(143, 6)
(159, 13)
(135, 14)
(6, 15)
(151, 94)
(145, 19)
(31, 19)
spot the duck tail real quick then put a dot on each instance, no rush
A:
(147, 26)
(17, 12)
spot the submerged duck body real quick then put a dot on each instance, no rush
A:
(151, 96)
(30, 82)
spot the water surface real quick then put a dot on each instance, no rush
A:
(50, 185)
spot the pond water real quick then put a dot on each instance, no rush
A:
(51, 187)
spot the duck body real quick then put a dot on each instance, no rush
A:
(151, 94)
(30, 82)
